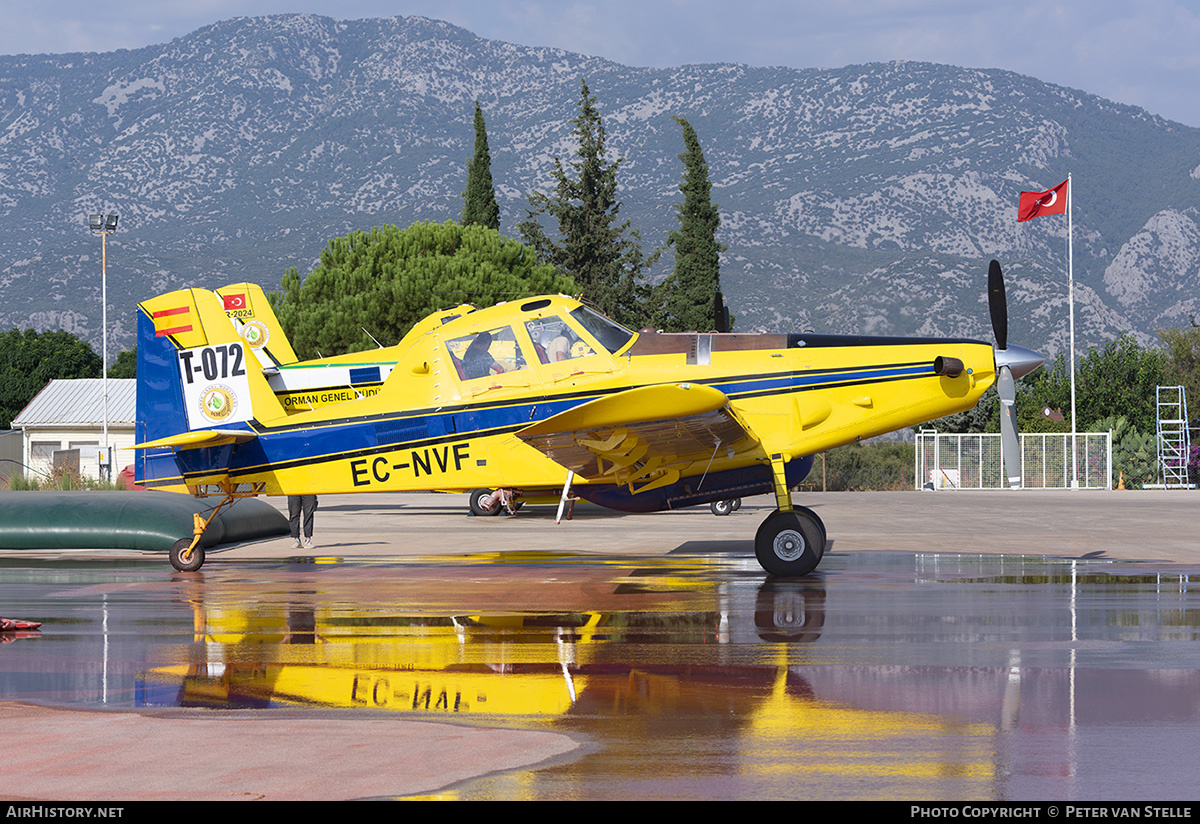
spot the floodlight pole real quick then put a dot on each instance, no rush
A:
(104, 226)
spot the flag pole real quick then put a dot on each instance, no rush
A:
(1071, 300)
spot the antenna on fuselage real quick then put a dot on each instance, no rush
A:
(372, 337)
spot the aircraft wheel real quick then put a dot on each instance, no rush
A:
(194, 561)
(475, 501)
(722, 507)
(789, 543)
(737, 504)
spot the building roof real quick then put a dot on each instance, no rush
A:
(81, 401)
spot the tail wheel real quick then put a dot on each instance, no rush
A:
(192, 562)
(789, 543)
(476, 503)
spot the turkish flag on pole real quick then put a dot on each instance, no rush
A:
(1035, 204)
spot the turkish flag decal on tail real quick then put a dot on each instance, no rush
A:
(239, 301)
(1035, 204)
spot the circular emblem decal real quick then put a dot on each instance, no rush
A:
(218, 403)
(256, 334)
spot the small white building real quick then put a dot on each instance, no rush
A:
(69, 414)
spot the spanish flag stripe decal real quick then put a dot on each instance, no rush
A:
(162, 313)
(175, 330)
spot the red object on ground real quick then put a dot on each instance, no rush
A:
(126, 477)
(13, 624)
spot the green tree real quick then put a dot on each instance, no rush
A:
(387, 279)
(603, 255)
(1183, 362)
(479, 199)
(125, 365)
(29, 361)
(1115, 380)
(689, 293)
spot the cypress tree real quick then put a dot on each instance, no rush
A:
(479, 199)
(603, 255)
(691, 292)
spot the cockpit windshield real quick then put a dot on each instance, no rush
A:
(611, 335)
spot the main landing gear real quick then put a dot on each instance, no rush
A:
(791, 541)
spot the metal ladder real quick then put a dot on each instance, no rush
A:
(1174, 443)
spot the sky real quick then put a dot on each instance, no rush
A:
(1142, 52)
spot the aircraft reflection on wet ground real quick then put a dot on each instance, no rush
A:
(690, 676)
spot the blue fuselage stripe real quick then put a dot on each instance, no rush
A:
(292, 445)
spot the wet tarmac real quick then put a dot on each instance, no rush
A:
(684, 674)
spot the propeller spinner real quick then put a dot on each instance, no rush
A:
(1011, 363)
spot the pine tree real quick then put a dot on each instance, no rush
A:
(690, 294)
(603, 255)
(479, 200)
(389, 278)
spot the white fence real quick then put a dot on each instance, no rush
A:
(950, 461)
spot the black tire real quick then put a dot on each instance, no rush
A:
(789, 543)
(737, 504)
(721, 507)
(193, 563)
(475, 502)
(820, 524)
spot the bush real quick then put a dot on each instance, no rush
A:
(861, 467)
(60, 481)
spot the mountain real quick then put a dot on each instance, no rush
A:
(862, 199)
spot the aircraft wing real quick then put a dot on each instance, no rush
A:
(644, 437)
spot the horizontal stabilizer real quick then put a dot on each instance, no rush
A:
(200, 438)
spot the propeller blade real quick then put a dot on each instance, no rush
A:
(1010, 443)
(998, 304)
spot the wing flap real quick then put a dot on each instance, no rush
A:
(644, 437)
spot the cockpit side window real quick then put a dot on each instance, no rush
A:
(491, 352)
(555, 341)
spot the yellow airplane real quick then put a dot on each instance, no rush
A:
(535, 396)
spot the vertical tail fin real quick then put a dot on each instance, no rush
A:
(193, 372)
